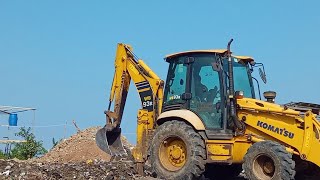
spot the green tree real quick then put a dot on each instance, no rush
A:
(28, 149)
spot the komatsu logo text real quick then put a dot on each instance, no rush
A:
(281, 131)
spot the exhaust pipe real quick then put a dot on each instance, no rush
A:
(233, 112)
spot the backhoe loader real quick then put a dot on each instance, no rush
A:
(208, 117)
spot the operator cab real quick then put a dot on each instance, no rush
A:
(198, 81)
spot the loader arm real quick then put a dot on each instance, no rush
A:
(150, 89)
(298, 131)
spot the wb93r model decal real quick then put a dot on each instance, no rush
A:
(281, 131)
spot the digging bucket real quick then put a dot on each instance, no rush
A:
(110, 142)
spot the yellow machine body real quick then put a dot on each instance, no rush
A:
(298, 132)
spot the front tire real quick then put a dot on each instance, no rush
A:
(268, 160)
(177, 151)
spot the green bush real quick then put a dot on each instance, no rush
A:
(28, 149)
(3, 155)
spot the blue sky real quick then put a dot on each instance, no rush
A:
(57, 56)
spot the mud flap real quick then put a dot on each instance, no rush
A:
(110, 142)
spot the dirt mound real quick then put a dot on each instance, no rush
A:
(80, 147)
(77, 157)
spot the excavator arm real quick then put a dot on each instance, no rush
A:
(150, 88)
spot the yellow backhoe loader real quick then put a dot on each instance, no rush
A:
(208, 118)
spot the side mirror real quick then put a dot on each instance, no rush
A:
(263, 75)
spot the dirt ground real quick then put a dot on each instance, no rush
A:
(79, 170)
(77, 157)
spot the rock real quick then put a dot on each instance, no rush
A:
(86, 173)
(5, 173)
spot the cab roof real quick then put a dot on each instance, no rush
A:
(217, 51)
(246, 59)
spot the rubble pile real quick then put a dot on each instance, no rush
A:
(77, 157)
(119, 170)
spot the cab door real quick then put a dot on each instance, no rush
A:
(176, 85)
(205, 90)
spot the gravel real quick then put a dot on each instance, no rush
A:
(79, 170)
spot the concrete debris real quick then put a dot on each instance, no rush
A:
(5, 173)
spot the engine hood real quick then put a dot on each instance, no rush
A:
(258, 105)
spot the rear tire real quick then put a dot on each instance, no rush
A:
(268, 160)
(177, 152)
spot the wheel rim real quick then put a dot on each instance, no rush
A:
(173, 153)
(263, 167)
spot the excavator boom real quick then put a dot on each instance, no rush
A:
(128, 67)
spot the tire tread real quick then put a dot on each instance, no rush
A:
(198, 154)
(287, 169)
